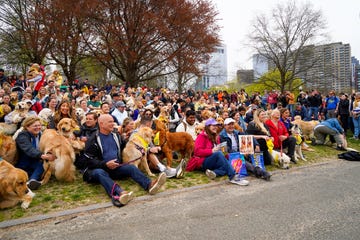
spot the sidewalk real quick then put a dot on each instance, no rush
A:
(71, 212)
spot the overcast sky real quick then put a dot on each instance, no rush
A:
(343, 22)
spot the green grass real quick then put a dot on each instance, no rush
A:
(58, 196)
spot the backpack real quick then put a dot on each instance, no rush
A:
(350, 156)
(185, 125)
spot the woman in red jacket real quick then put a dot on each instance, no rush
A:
(281, 136)
(208, 156)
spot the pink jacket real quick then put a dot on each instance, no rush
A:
(202, 149)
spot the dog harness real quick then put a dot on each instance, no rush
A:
(143, 148)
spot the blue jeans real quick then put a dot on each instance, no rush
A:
(105, 178)
(311, 111)
(34, 168)
(219, 164)
(356, 122)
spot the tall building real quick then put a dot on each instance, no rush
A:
(215, 72)
(260, 65)
(331, 67)
(332, 70)
(245, 76)
(355, 73)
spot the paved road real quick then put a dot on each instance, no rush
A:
(318, 202)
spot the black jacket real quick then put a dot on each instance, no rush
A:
(27, 152)
(93, 153)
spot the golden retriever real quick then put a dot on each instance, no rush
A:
(80, 114)
(44, 116)
(63, 166)
(4, 110)
(8, 149)
(66, 128)
(14, 98)
(13, 188)
(175, 141)
(135, 151)
(297, 134)
(307, 127)
(14, 118)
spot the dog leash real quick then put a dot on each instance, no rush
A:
(142, 151)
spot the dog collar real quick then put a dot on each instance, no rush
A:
(142, 140)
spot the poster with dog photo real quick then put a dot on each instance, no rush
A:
(246, 144)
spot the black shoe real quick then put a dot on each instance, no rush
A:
(292, 159)
(313, 141)
(266, 176)
(340, 148)
(33, 184)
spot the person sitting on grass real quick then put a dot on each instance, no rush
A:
(231, 137)
(209, 158)
(178, 172)
(281, 136)
(103, 164)
(30, 157)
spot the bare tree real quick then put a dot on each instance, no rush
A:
(287, 38)
(66, 24)
(22, 28)
(138, 40)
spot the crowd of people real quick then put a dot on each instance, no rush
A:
(224, 117)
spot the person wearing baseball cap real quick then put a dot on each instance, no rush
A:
(208, 156)
(231, 137)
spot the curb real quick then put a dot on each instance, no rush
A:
(32, 219)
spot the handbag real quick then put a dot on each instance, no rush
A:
(237, 161)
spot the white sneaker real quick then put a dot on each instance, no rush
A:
(239, 181)
(180, 169)
(126, 197)
(170, 172)
(210, 174)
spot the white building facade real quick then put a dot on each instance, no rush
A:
(215, 72)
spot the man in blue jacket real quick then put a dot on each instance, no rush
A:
(330, 127)
(231, 137)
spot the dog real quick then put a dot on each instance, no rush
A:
(4, 110)
(159, 125)
(206, 114)
(80, 114)
(51, 142)
(296, 132)
(14, 98)
(135, 151)
(281, 159)
(20, 112)
(13, 188)
(66, 128)
(307, 127)
(199, 127)
(8, 149)
(8, 128)
(175, 141)
(44, 116)
(164, 116)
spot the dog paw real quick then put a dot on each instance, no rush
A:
(25, 205)
(152, 175)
